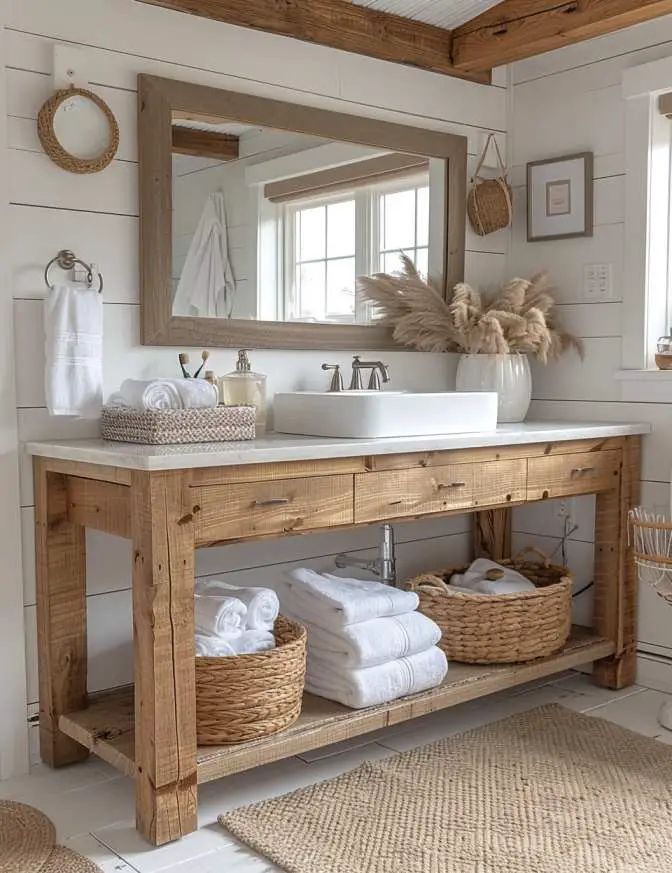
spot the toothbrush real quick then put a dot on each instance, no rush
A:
(204, 357)
(183, 358)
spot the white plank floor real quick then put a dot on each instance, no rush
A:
(92, 806)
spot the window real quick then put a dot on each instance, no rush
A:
(403, 217)
(647, 253)
(332, 239)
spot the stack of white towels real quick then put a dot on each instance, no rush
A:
(158, 394)
(233, 621)
(366, 642)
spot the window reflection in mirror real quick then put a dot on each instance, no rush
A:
(277, 226)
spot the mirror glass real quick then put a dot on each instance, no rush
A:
(276, 226)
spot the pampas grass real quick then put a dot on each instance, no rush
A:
(519, 319)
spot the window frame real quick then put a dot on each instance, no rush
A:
(367, 253)
(647, 292)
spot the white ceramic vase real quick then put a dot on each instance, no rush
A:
(508, 375)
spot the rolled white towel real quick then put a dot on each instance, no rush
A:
(262, 604)
(508, 581)
(244, 643)
(369, 643)
(372, 686)
(166, 394)
(219, 616)
(332, 602)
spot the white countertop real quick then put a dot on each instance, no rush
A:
(277, 447)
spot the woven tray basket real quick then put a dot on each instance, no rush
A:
(245, 697)
(500, 629)
(175, 426)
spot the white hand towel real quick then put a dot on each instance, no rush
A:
(369, 643)
(262, 604)
(166, 394)
(73, 321)
(332, 602)
(245, 643)
(219, 615)
(476, 579)
(375, 685)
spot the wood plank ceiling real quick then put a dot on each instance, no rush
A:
(465, 38)
(441, 13)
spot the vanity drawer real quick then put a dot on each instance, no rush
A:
(231, 512)
(564, 475)
(498, 482)
(398, 493)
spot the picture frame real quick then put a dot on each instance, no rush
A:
(560, 197)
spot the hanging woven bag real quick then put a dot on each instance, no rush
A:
(489, 203)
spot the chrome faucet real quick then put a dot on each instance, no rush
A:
(384, 566)
(378, 370)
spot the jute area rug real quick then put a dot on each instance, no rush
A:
(548, 791)
(28, 844)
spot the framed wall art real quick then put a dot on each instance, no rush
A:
(560, 197)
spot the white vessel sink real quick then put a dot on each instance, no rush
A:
(371, 414)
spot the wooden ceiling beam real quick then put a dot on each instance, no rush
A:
(517, 29)
(338, 24)
(205, 143)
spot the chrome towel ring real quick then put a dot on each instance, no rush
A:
(66, 260)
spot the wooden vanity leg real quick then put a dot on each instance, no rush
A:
(60, 548)
(615, 611)
(492, 533)
(163, 621)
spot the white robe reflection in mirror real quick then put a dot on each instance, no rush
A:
(207, 286)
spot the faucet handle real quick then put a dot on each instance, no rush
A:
(336, 383)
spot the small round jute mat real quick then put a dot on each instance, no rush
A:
(28, 844)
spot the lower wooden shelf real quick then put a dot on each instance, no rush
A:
(106, 726)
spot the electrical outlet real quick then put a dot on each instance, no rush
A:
(598, 283)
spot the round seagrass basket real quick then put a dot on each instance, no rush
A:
(245, 697)
(489, 204)
(500, 629)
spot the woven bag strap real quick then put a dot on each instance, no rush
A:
(491, 138)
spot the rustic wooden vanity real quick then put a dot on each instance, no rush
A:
(171, 500)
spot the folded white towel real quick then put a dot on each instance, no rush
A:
(262, 604)
(374, 685)
(73, 322)
(165, 394)
(241, 643)
(369, 643)
(487, 577)
(219, 615)
(332, 602)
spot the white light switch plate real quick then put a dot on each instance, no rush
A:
(598, 283)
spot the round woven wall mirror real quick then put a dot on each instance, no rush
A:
(78, 130)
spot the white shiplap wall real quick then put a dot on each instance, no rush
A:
(563, 102)
(96, 216)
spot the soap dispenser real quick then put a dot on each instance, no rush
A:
(244, 387)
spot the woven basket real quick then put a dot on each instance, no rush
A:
(500, 629)
(489, 203)
(244, 697)
(175, 426)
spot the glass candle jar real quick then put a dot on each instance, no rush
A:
(664, 352)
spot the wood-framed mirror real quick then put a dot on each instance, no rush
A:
(256, 217)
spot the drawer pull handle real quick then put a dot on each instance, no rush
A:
(444, 486)
(272, 501)
(580, 471)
